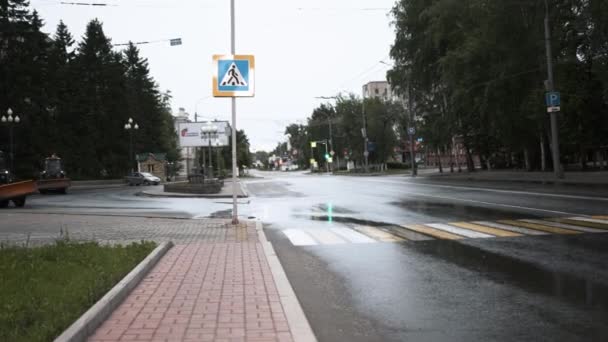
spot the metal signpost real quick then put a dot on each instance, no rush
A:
(233, 77)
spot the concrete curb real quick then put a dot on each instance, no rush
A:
(96, 315)
(173, 195)
(298, 323)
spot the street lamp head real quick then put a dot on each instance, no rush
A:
(136, 127)
(127, 126)
(130, 120)
(10, 119)
(9, 112)
(3, 119)
(17, 119)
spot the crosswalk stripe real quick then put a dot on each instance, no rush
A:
(589, 219)
(378, 234)
(516, 229)
(352, 236)
(566, 226)
(459, 231)
(325, 237)
(440, 234)
(484, 229)
(299, 237)
(554, 230)
(580, 223)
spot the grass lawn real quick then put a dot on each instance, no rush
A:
(43, 290)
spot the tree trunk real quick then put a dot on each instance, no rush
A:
(543, 158)
(439, 160)
(583, 158)
(526, 159)
(601, 159)
(451, 161)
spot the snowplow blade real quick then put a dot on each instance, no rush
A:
(17, 190)
(54, 184)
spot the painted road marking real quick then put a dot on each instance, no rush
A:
(352, 236)
(516, 229)
(459, 231)
(554, 230)
(325, 237)
(580, 223)
(589, 220)
(485, 229)
(378, 234)
(436, 233)
(566, 226)
(299, 237)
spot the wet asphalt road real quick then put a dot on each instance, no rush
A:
(543, 288)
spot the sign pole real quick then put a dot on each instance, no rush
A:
(557, 169)
(235, 219)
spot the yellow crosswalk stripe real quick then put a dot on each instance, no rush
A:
(600, 217)
(540, 227)
(436, 233)
(484, 229)
(378, 234)
(580, 223)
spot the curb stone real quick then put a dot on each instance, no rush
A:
(298, 323)
(96, 315)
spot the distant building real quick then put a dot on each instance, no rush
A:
(154, 163)
(378, 89)
(188, 154)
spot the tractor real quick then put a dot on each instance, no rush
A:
(53, 178)
(10, 190)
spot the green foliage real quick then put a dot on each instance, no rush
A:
(346, 121)
(75, 100)
(45, 289)
(476, 69)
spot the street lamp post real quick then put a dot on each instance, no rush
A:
(131, 126)
(209, 131)
(11, 121)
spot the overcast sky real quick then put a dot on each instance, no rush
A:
(303, 49)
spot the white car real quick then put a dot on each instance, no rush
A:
(145, 178)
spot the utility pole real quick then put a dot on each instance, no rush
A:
(364, 132)
(557, 169)
(235, 168)
(331, 141)
(411, 129)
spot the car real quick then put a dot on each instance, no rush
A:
(142, 178)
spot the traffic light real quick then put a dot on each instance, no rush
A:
(326, 156)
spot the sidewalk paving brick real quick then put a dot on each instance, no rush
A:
(218, 289)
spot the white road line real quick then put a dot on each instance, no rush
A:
(529, 193)
(511, 228)
(299, 237)
(566, 226)
(459, 231)
(325, 237)
(578, 218)
(352, 236)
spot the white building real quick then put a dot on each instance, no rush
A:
(377, 89)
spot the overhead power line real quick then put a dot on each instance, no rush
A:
(86, 4)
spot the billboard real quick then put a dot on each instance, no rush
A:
(190, 134)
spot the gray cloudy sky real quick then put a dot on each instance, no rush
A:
(302, 48)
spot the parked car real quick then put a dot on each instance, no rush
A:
(142, 178)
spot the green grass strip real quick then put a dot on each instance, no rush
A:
(43, 290)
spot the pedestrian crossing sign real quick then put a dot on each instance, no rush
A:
(233, 75)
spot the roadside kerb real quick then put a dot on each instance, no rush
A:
(225, 193)
(472, 178)
(298, 323)
(97, 314)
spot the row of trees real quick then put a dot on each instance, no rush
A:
(74, 99)
(476, 69)
(340, 125)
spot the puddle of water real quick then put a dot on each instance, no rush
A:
(451, 211)
(523, 274)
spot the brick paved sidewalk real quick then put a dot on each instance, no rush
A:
(204, 291)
